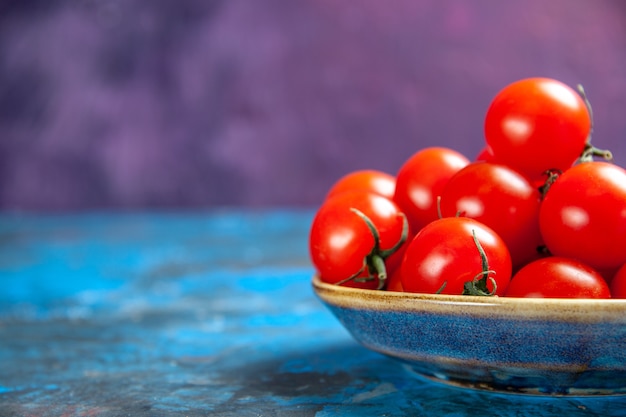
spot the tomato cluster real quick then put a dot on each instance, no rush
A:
(535, 214)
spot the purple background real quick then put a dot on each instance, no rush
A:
(195, 103)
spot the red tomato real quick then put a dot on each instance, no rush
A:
(537, 124)
(371, 180)
(444, 254)
(394, 282)
(486, 154)
(618, 283)
(558, 277)
(341, 244)
(394, 260)
(420, 182)
(583, 215)
(502, 199)
(607, 273)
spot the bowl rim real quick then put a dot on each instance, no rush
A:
(556, 309)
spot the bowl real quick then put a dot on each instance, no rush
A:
(517, 345)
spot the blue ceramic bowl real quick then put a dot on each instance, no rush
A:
(520, 345)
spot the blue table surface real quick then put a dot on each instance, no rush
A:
(196, 314)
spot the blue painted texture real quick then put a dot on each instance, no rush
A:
(198, 314)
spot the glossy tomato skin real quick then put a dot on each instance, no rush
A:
(558, 277)
(583, 215)
(444, 251)
(340, 240)
(371, 180)
(537, 124)
(502, 199)
(420, 181)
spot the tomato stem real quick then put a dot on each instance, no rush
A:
(552, 175)
(377, 268)
(483, 256)
(478, 285)
(356, 277)
(371, 227)
(404, 235)
(375, 260)
(591, 151)
(583, 95)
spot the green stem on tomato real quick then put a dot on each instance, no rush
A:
(378, 268)
(404, 235)
(371, 227)
(375, 260)
(478, 285)
(591, 151)
(583, 95)
(552, 175)
(355, 277)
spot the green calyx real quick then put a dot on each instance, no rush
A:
(478, 285)
(374, 262)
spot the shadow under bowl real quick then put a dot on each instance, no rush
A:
(517, 345)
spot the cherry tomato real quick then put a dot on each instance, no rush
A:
(558, 277)
(341, 243)
(444, 256)
(371, 180)
(502, 199)
(618, 283)
(420, 182)
(394, 282)
(607, 273)
(486, 154)
(537, 124)
(394, 260)
(583, 215)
